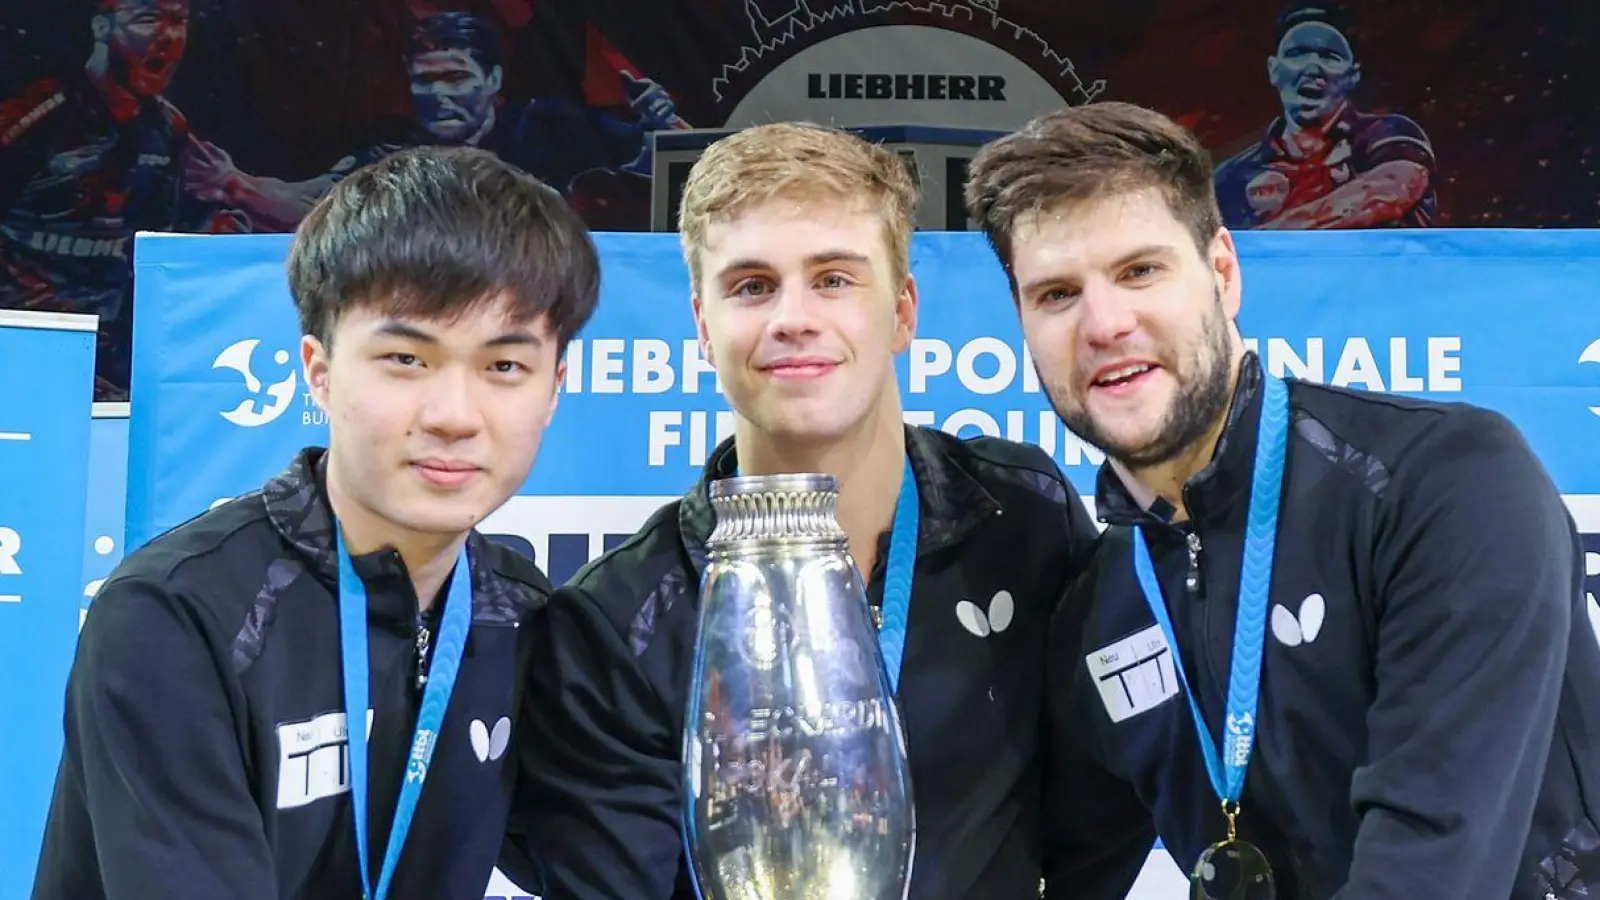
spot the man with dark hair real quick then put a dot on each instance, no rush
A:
(88, 158)
(209, 747)
(1323, 164)
(453, 66)
(453, 62)
(1412, 707)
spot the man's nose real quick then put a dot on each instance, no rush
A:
(450, 408)
(794, 313)
(1107, 317)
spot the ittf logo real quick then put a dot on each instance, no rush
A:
(256, 410)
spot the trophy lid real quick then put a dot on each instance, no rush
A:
(785, 507)
(787, 482)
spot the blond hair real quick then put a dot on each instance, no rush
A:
(797, 160)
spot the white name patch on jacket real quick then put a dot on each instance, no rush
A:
(1135, 674)
(314, 759)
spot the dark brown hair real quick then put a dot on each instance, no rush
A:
(432, 233)
(1085, 153)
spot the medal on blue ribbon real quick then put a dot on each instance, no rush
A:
(1232, 869)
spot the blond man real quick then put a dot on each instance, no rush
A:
(797, 242)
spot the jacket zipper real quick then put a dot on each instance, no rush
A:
(1191, 580)
(423, 640)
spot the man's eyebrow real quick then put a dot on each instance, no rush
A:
(407, 331)
(820, 258)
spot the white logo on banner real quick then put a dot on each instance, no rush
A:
(252, 411)
(314, 759)
(1591, 354)
(1135, 674)
(104, 545)
(10, 548)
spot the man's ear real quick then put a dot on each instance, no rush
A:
(1224, 259)
(314, 363)
(555, 390)
(700, 332)
(906, 306)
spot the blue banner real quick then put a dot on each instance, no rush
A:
(1480, 316)
(103, 524)
(1504, 319)
(46, 385)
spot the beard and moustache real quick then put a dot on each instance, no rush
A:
(1200, 400)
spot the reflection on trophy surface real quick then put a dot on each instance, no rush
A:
(795, 773)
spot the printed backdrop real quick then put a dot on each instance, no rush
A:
(1509, 320)
(224, 116)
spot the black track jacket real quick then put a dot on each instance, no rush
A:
(1429, 718)
(604, 707)
(205, 754)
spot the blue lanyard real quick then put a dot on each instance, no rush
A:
(897, 575)
(1227, 765)
(448, 648)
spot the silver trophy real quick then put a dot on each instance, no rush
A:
(796, 781)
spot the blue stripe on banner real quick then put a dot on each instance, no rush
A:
(104, 523)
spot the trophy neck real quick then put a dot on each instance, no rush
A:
(776, 511)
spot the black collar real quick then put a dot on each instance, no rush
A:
(952, 499)
(297, 506)
(1216, 490)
